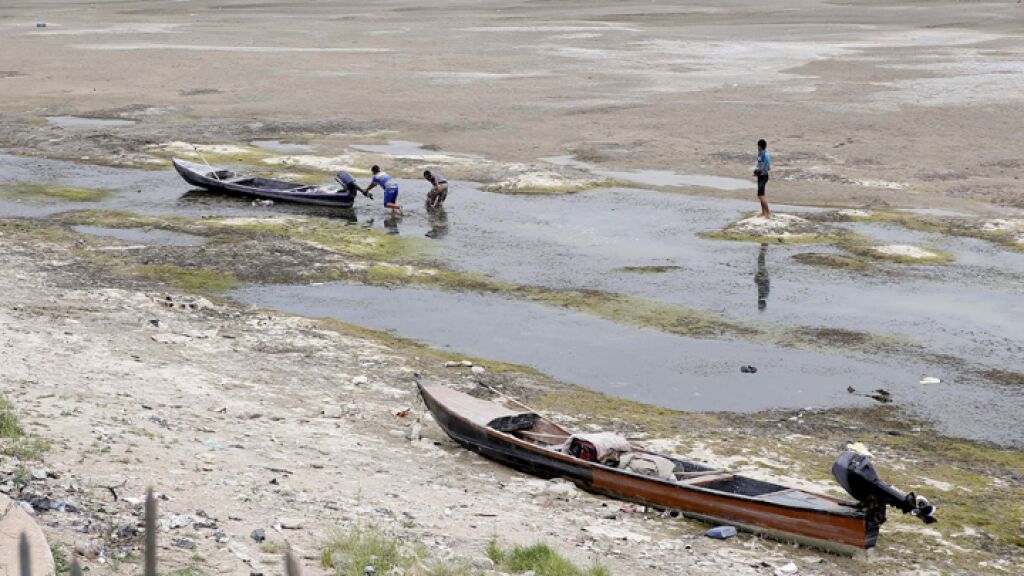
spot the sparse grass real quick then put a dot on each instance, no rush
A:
(272, 547)
(539, 558)
(10, 427)
(60, 559)
(26, 448)
(347, 554)
(198, 280)
(27, 190)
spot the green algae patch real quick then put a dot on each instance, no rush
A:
(527, 186)
(192, 280)
(656, 269)
(30, 191)
(833, 261)
(1008, 232)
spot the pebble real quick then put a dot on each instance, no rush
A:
(27, 508)
(482, 564)
(38, 474)
(179, 521)
(259, 535)
(721, 532)
(332, 412)
(930, 380)
(360, 380)
(290, 523)
(477, 370)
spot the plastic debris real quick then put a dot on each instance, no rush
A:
(721, 532)
(789, 568)
(859, 448)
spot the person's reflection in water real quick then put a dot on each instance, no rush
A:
(438, 220)
(391, 223)
(761, 278)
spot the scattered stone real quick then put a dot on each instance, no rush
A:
(290, 523)
(748, 369)
(27, 508)
(259, 535)
(262, 203)
(178, 521)
(40, 24)
(458, 364)
(721, 532)
(38, 474)
(360, 380)
(477, 370)
(220, 537)
(184, 543)
(930, 380)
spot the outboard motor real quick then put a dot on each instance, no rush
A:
(857, 475)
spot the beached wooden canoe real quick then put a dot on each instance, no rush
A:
(530, 443)
(227, 182)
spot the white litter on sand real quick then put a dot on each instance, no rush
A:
(778, 226)
(541, 180)
(904, 251)
(185, 148)
(854, 213)
(322, 163)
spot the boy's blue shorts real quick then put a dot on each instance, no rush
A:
(391, 196)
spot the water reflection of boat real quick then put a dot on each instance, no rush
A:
(533, 444)
(227, 182)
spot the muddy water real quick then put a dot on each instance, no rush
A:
(642, 364)
(967, 309)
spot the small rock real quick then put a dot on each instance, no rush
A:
(748, 369)
(40, 24)
(721, 532)
(38, 474)
(360, 380)
(930, 380)
(27, 508)
(259, 535)
(477, 370)
(220, 537)
(178, 521)
(184, 543)
(290, 523)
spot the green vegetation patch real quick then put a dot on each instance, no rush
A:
(657, 269)
(10, 427)
(540, 559)
(195, 280)
(31, 191)
(834, 261)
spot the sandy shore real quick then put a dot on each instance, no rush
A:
(905, 104)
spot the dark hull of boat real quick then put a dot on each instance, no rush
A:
(261, 188)
(841, 529)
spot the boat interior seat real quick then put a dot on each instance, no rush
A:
(706, 479)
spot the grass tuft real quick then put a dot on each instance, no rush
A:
(9, 425)
(540, 559)
(348, 554)
(199, 280)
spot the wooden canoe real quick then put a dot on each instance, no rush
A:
(700, 492)
(228, 182)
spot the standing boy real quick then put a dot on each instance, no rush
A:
(764, 166)
(390, 186)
